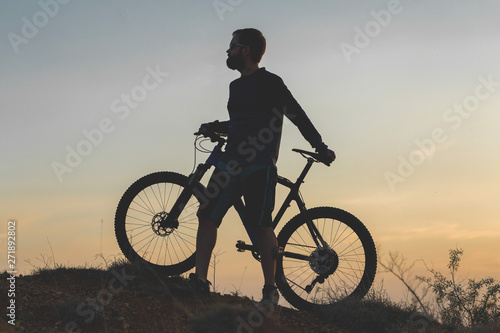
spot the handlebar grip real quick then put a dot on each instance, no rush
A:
(327, 157)
(214, 137)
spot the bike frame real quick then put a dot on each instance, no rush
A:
(293, 195)
(299, 239)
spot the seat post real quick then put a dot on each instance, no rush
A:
(304, 172)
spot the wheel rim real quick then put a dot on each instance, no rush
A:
(149, 237)
(343, 262)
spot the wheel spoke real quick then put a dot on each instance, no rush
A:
(335, 272)
(141, 223)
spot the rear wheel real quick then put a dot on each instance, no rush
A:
(141, 229)
(312, 277)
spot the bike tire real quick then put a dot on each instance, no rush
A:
(356, 259)
(169, 251)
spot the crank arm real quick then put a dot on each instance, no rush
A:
(242, 246)
(292, 255)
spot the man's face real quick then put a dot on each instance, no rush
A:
(235, 58)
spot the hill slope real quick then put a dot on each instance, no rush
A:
(122, 299)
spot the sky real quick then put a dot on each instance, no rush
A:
(97, 94)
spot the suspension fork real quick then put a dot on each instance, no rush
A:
(193, 181)
(187, 192)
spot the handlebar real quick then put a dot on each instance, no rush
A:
(214, 137)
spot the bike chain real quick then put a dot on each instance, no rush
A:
(312, 247)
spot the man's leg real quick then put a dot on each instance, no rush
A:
(205, 242)
(259, 193)
(267, 244)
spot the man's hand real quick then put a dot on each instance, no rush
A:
(326, 155)
(204, 130)
(215, 127)
(209, 130)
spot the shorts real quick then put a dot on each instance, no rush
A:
(257, 185)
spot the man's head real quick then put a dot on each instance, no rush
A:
(247, 46)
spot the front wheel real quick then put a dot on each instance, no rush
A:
(141, 229)
(313, 275)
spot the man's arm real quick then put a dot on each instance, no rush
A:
(293, 111)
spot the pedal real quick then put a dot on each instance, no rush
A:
(241, 246)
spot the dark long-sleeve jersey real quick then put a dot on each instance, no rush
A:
(257, 104)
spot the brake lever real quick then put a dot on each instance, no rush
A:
(212, 136)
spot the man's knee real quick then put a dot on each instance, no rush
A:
(264, 231)
(206, 222)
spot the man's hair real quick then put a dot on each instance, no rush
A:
(254, 39)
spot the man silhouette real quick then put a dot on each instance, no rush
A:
(258, 100)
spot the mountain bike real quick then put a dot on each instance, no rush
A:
(325, 255)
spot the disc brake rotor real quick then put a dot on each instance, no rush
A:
(160, 226)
